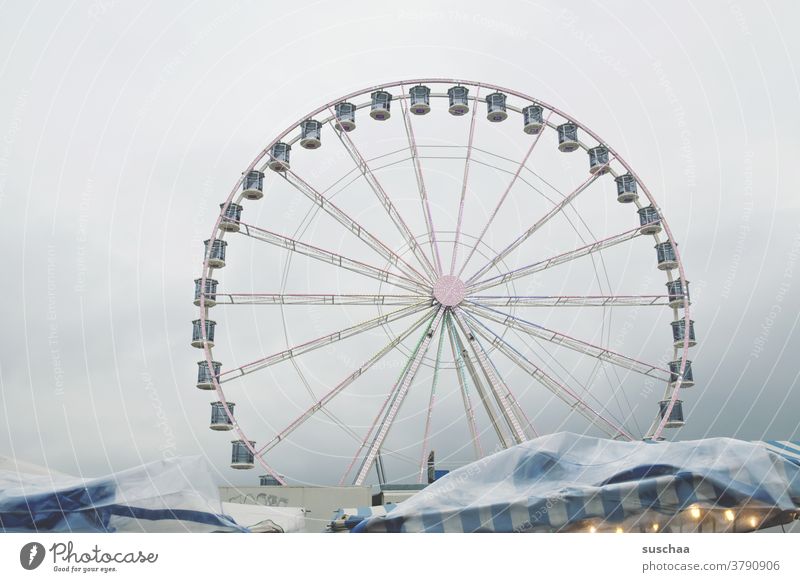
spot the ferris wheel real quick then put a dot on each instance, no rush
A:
(446, 227)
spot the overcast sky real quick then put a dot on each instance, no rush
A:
(122, 124)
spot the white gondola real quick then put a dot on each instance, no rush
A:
(345, 116)
(381, 104)
(627, 190)
(253, 185)
(205, 376)
(665, 253)
(598, 160)
(675, 419)
(675, 292)
(310, 134)
(532, 120)
(231, 215)
(241, 456)
(197, 333)
(649, 220)
(459, 100)
(219, 418)
(679, 334)
(675, 369)
(568, 137)
(279, 157)
(210, 292)
(420, 97)
(216, 253)
(496, 107)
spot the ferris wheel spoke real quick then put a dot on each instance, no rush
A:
(503, 197)
(469, 411)
(352, 225)
(566, 394)
(395, 401)
(574, 344)
(508, 405)
(504, 439)
(536, 226)
(583, 251)
(369, 432)
(331, 258)
(327, 398)
(386, 202)
(431, 400)
(316, 299)
(423, 191)
(464, 183)
(320, 342)
(570, 300)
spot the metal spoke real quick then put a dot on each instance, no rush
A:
(322, 402)
(556, 260)
(505, 400)
(462, 382)
(316, 299)
(350, 224)
(536, 226)
(431, 400)
(402, 374)
(503, 197)
(569, 396)
(464, 183)
(319, 254)
(397, 396)
(577, 345)
(386, 202)
(505, 440)
(423, 192)
(320, 342)
(570, 300)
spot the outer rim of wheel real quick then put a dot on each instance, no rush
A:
(658, 427)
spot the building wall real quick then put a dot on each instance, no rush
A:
(319, 502)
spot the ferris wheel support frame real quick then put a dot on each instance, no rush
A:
(413, 280)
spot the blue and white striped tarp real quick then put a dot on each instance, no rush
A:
(568, 482)
(175, 495)
(789, 450)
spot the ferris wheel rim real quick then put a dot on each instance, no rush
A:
(218, 233)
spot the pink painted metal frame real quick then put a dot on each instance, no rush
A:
(656, 433)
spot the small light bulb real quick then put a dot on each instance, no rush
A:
(592, 529)
(729, 515)
(753, 521)
(655, 527)
(619, 530)
(695, 512)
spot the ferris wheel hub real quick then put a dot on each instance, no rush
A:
(449, 290)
